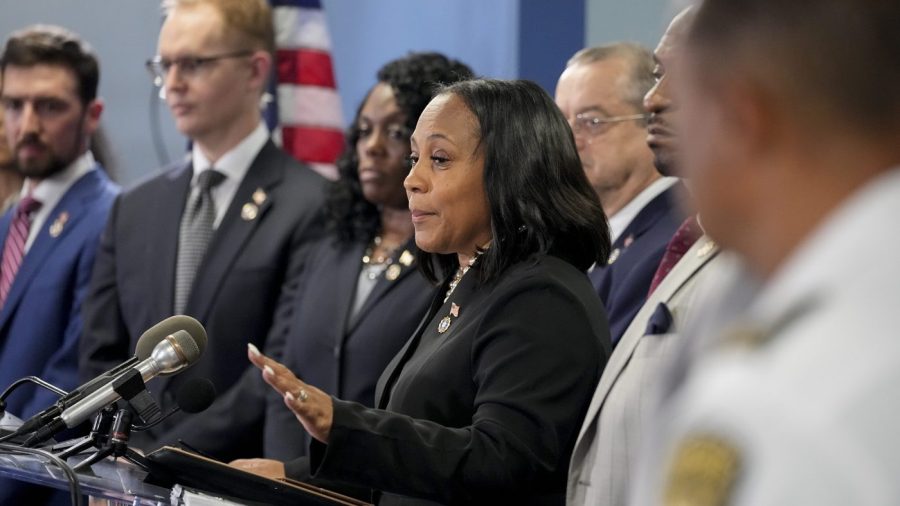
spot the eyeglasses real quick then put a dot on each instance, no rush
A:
(592, 126)
(188, 66)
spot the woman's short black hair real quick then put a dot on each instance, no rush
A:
(414, 79)
(539, 197)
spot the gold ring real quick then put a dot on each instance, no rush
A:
(302, 395)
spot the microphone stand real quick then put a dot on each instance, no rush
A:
(98, 436)
(117, 446)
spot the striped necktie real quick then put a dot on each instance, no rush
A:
(14, 247)
(194, 235)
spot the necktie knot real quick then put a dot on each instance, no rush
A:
(29, 205)
(209, 179)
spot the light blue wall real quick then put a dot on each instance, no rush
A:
(486, 34)
(367, 34)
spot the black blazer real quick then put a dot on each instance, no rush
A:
(488, 410)
(623, 284)
(327, 348)
(236, 290)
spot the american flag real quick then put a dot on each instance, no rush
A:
(305, 114)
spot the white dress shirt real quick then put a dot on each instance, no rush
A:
(620, 221)
(234, 165)
(50, 191)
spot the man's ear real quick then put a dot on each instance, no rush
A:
(260, 69)
(92, 114)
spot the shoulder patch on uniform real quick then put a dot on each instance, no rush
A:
(702, 472)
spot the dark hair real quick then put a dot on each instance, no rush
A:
(54, 45)
(414, 80)
(835, 60)
(539, 198)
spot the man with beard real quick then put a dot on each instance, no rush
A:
(602, 466)
(50, 107)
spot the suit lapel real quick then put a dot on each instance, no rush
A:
(384, 284)
(696, 257)
(234, 230)
(162, 232)
(386, 381)
(63, 218)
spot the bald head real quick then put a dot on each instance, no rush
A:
(833, 63)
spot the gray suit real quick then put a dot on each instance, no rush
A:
(611, 435)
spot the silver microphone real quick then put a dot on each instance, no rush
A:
(173, 354)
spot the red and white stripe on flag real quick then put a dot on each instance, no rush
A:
(309, 107)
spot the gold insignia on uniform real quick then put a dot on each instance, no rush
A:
(259, 196)
(59, 224)
(249, 212)
(706, 249)
(406, 258)
(392, 272)
(613, 256)
(702, 473)
(444, 325)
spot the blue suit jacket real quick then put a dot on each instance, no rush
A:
(40, 324)
(623, 283)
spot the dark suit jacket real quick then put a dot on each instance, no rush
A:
(487, 411)
(343, 356)
(236, 290)
(40, 324)
(623, 283)
(323, 347)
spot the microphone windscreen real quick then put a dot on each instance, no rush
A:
(185, 345)
(195, 395)
(169, 326)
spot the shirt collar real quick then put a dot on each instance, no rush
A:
(620, 221)
(235, 163)
(50, 190)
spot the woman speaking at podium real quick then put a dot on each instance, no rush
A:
(484, 402)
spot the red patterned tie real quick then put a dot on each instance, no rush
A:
(14, 247)
(685, 237)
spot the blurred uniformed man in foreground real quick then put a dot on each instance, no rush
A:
(794, 158)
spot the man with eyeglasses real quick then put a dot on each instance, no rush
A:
(601, 93)
(219, 236)
(615, 426)
(48, 86)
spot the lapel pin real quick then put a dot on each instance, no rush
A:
(444, 325)
(406, 258)
(393, 272)
(628, 241)
(59, 224)
(259, 196)
(249, 211)
(613, 256)
(454, 310)
(706, 248)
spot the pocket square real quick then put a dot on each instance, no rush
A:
(660, 321)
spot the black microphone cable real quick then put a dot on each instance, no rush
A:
(16, 384)
(74, 484)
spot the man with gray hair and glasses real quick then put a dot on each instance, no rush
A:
(601, 94)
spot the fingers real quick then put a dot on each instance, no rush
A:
(263, 467)
(314, 409)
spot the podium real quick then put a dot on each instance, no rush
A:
(124, 483)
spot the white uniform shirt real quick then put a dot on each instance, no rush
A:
(800, 403)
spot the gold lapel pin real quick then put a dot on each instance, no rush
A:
(59, 224)
(259, 196)
(249, 212)
(393, 272)
(406, 258)
(613, 256)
